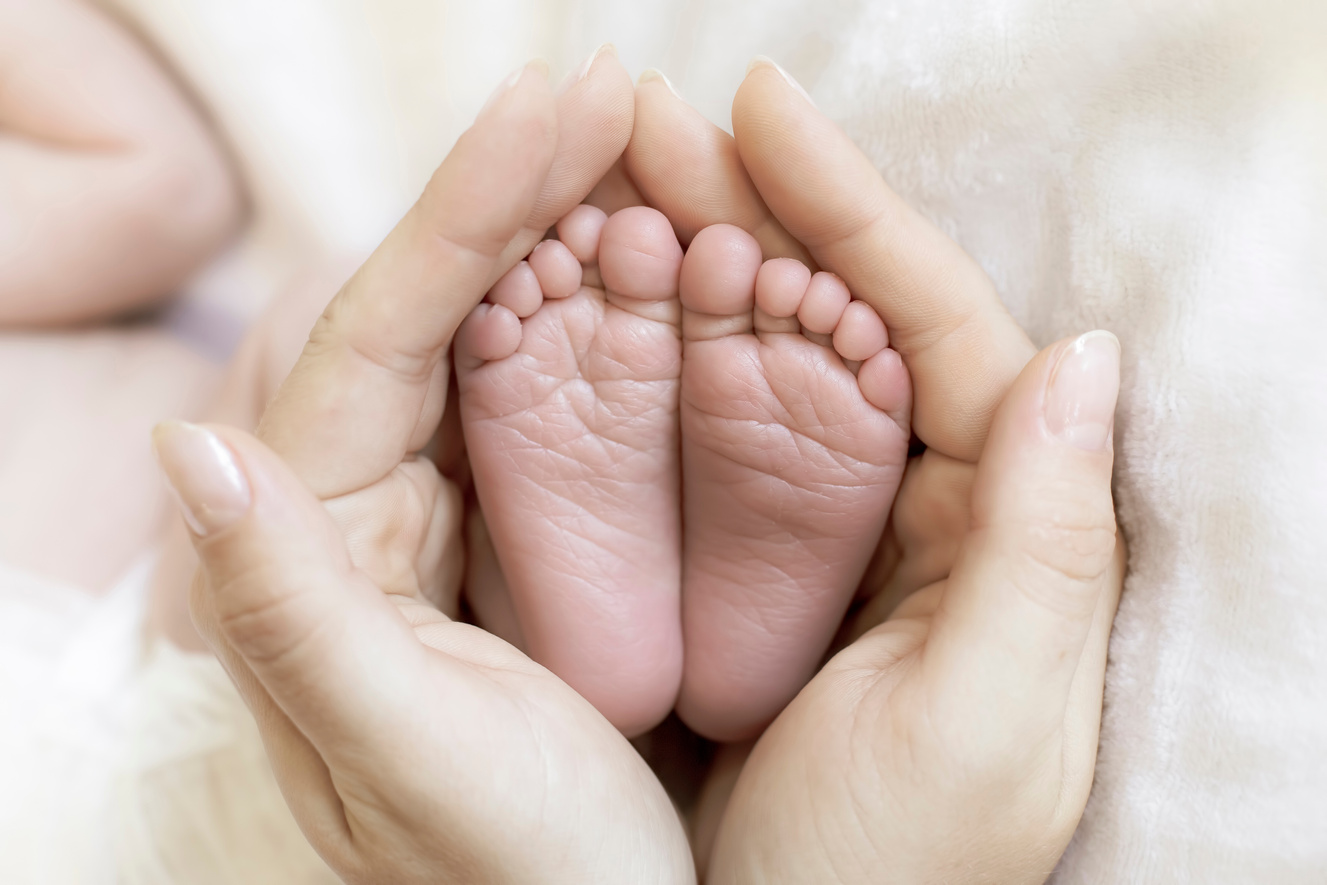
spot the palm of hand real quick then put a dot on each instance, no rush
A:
(464, 705)
(530, 768)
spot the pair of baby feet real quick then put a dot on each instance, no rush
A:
(685, 463)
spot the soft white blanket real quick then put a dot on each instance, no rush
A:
(1159, 170)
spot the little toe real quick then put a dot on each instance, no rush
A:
(580, 229)
(861, 333)
(823, 305)
(518, 290)
(886, 384)
(780, 285)
(718, 282)
(490, 332)
(556, 267)
(639, 256)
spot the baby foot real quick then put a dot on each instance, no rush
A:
(568, 378)
(795, 432)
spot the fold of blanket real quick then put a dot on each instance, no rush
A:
(1154, 169)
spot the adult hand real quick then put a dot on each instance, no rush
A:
(956, 741)
(411, 747)
(806, 192)
(983, 693)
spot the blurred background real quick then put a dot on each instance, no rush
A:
(337, 112)
(1156, 169)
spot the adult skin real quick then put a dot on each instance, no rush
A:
(389, 785)
(411, 747)
(956, 740)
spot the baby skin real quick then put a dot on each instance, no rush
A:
(685, 463)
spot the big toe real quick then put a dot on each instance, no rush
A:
(718, 282)
(639, 256)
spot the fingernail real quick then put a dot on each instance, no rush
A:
(583, 71)
(655, 74)
(1081, 394)
(208, 483)
(766, 60)
(538, 65)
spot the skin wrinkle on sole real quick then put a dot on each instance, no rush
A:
(591, 394)
(784, 427)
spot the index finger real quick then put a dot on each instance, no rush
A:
(688, 169)
(370, 385)
(961, 346)
(346, 414)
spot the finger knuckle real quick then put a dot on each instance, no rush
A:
(1062, 562)
(262, 619)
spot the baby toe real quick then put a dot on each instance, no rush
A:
(518, 290)
(824, 303)
(719, 273)
(580, 229)
(558, 270)
(639, 256)
(490, 332)
(861, 333)
(886, 384)
(780, 285)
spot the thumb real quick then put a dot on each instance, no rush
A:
(1040, 557)
(277, 596)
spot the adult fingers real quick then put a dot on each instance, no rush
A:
(595, 117)
(961, 346)
(615, 192)
(1027, 589)
(371, 382)
(348, 411)
(280, 595)
(688, 169)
